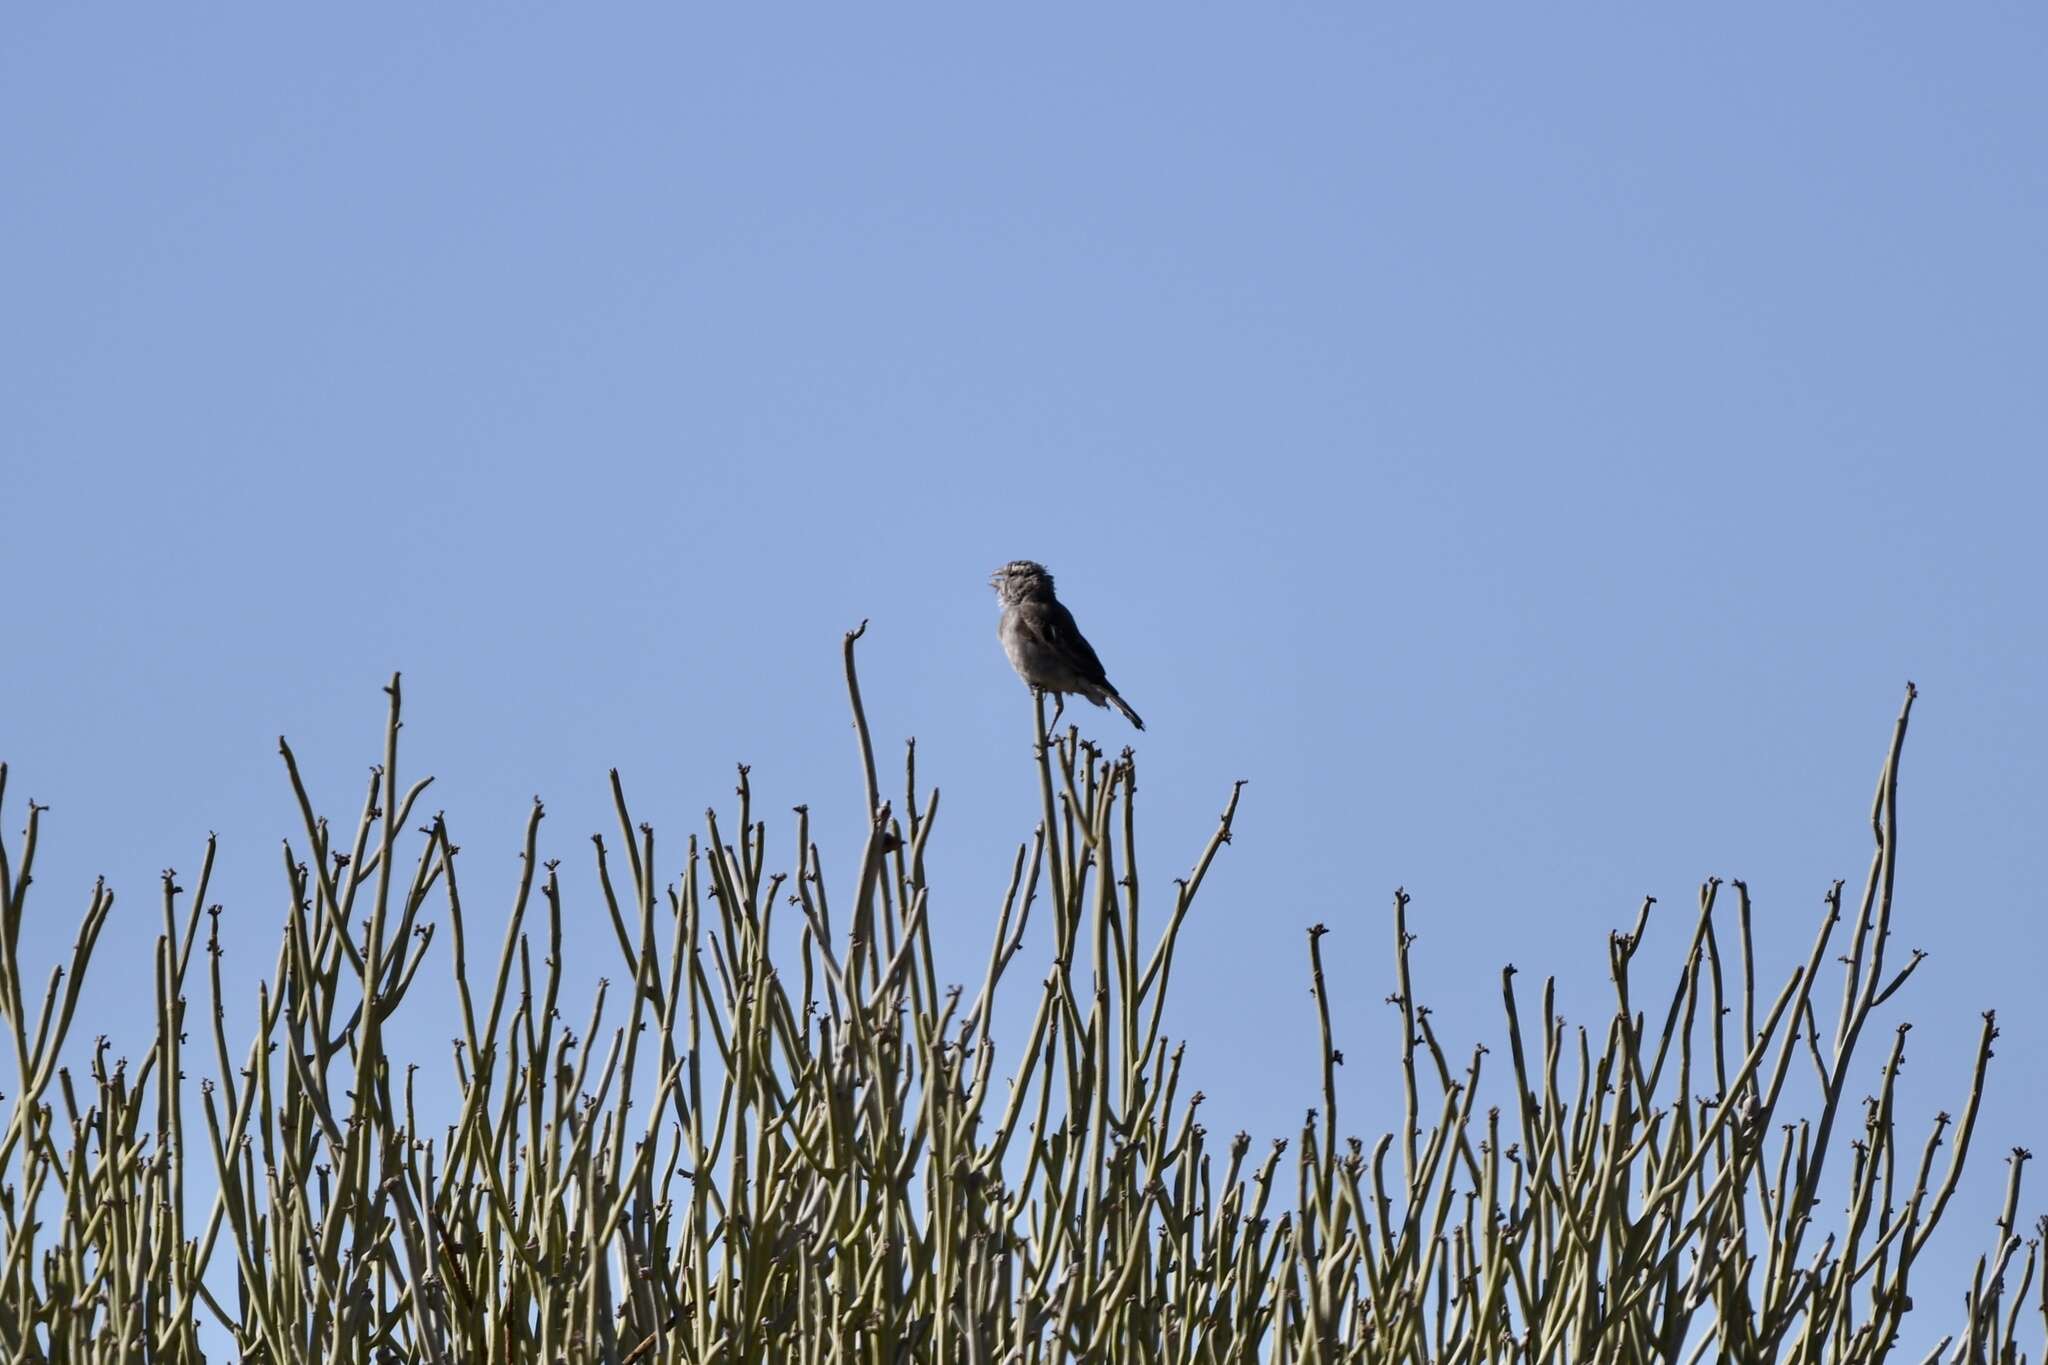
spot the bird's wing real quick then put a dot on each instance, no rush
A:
(1056, 627)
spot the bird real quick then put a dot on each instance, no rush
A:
(1045, 646)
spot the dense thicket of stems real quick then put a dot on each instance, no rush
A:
(778, 1136)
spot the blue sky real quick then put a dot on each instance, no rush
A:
(1534, 448)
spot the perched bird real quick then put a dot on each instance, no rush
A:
(1045, 646)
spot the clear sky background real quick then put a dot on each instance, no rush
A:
(1533, 447)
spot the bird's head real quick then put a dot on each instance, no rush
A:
(1022, 581)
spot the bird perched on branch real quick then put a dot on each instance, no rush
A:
(1045, 646)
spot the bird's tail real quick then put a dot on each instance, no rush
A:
(1132, 716)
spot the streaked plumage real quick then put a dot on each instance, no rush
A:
(1045, 646)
